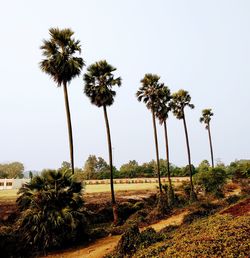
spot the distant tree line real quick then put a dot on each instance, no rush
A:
(97, 168)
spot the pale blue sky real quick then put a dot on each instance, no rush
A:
(201, 46)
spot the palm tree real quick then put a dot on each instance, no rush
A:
(163, 109)
(51, 210)
(62, 65)
(206, 118)
(99, 82)
(149, 94)
(180, 100)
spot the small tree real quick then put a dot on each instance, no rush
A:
(203, 166)
(211, 181)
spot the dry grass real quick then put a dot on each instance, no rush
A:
(8, 195)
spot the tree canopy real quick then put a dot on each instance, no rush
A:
(11, 170)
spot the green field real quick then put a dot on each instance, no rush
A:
(120, 187)
(10, 195)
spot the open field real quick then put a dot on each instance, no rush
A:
(10, 195)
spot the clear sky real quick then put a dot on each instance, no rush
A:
(202, 46)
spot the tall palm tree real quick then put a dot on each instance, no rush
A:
(99, 82)
(62, 65)
(206, 118)
(149, 94)
(180, 100)
(162, 110)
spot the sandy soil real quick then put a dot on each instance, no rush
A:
(105, 245)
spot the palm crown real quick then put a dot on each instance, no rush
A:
(163, 106)
(180, 100)
(99, 81)
(60, 62)
(149, 91)
(206, 116)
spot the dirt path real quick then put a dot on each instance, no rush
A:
(105, 245)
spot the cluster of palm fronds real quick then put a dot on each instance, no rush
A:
(51, 208)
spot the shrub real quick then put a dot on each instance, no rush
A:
(50, 208)
(126, 209)
(132, 240)
(129, 242)
(211, 181)
(185, 188)
(232, 199)
(245, 186)
(98, 232)
(162, 204)
(168, 229)
(201, 210)
(101, 215)
(148, 237)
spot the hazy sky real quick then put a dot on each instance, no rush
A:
(200, 46)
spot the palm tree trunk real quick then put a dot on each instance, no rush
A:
(71, 147)
(210, 142)
(157, 152)
(167, 154)
(189, 157)
(114, 205)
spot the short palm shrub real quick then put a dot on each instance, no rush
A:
(51, 210)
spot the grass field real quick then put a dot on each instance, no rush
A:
(10, 195)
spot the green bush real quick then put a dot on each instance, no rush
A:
(129, 242)
(245, 186)
(132, 240)
(211, 181)
(126, 209)
(148, 237)
(51, 211)
(185, 188)
(201, 210)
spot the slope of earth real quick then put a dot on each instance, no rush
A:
(239, 209)
(220, 235)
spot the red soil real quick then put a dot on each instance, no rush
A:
(239, 209)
